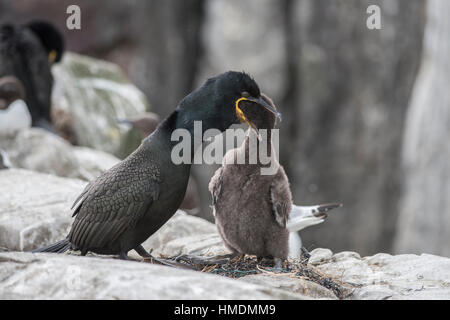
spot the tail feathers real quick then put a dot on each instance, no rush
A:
(58, 247)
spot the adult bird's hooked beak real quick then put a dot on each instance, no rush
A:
(262, 102)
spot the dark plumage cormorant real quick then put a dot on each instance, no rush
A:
(146, 123)
(252, 210)
(128, 203)
(27, 52)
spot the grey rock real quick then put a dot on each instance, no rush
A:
(287, 283)
(34, 208)
(184, 234)
(38, 150)
(180, 225)
(346, 255)
(96, 93)
(320, 255)
(92, 163)
(384, 276)
(374, 292)
(202, 244)
(52, 276)
(423, 224)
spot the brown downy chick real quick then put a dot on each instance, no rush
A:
(253, 211)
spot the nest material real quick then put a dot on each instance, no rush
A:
(248, 265)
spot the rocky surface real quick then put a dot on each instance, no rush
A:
(38, 150)
(184, 234)
(383, 276)
(96, 94)
(423, 224)
(35, 210)
(91, 162)
(52, 276)
(291, 284)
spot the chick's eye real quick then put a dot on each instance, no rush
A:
(245, 94)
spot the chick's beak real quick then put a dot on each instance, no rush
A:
(260, 101)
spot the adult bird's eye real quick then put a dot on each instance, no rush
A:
(245, 94)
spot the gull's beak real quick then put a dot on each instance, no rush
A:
(322, 209)
(302, 217)
(266, 105)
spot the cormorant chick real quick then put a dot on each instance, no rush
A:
(254, 212)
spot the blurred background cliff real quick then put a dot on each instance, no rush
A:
(366, 112)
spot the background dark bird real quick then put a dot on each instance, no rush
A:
(146, 123)
(27, 52)
(128, 203)
(252, 209)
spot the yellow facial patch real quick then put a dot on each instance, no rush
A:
(241, 116)
(52, 56)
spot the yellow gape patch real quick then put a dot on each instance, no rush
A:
(241, 116)
(52, 56)
(239, 113)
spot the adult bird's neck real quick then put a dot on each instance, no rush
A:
(167, 126)
(163, 134)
